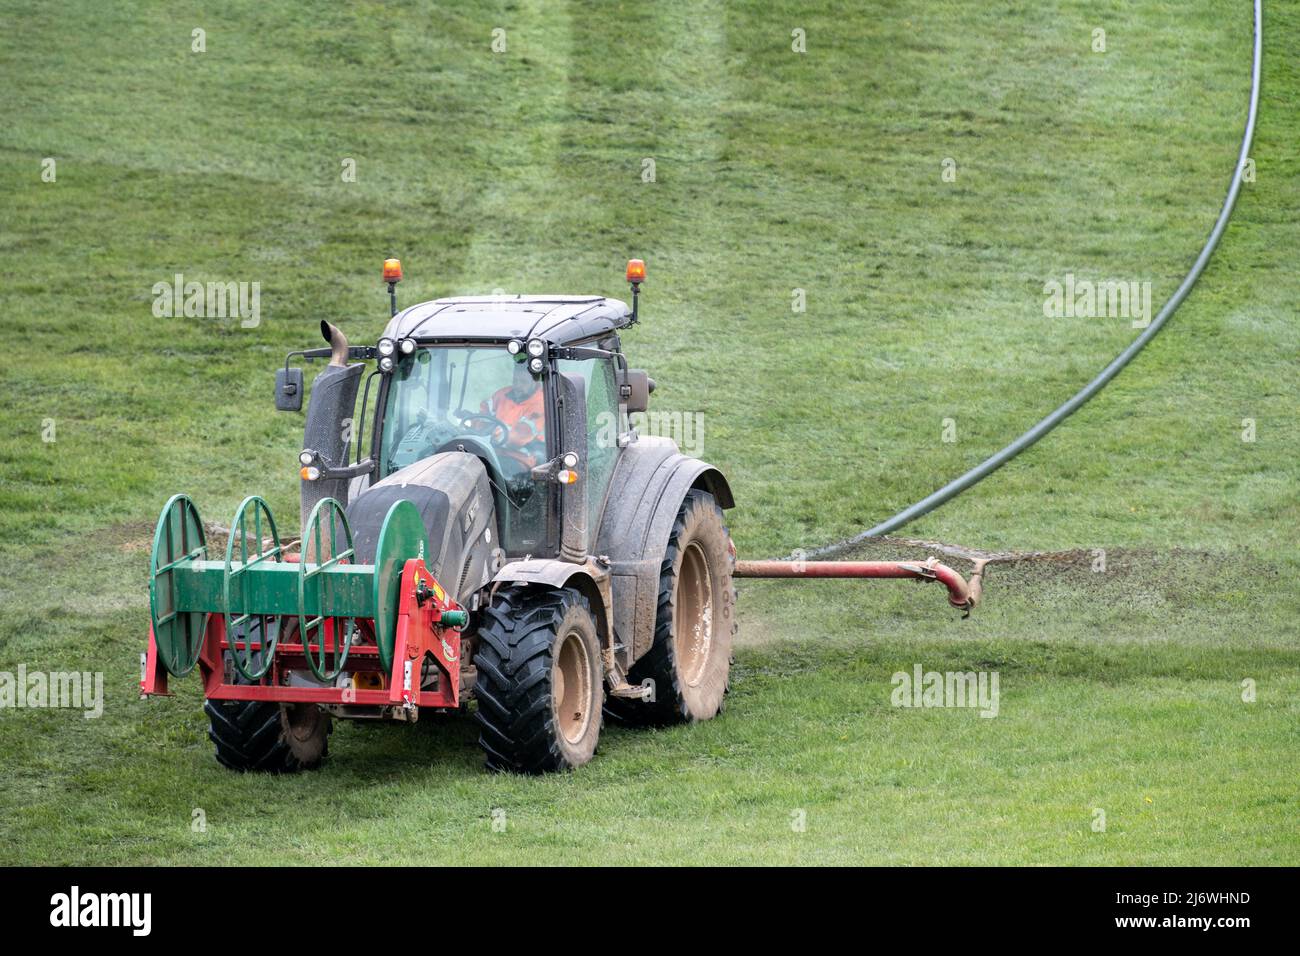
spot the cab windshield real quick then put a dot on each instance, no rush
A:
(484, 400)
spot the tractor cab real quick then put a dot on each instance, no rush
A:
(535, 387)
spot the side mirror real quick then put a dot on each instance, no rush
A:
(288, 389)
(639, 387)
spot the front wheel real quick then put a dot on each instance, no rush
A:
(260, 735)
(265, 736)
(540, 683)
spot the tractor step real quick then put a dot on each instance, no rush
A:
(643, 691)
(617, 680)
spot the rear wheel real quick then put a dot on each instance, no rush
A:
(266, 736)
(690, 659)
(540, 683)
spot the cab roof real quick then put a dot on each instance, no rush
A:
(558, 319)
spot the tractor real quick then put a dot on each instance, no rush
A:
(488, 526)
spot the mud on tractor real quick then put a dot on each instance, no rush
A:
(493, 529)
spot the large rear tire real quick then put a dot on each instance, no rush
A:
(540, 682)
(695, 619)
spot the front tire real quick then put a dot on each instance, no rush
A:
(270, 737)
(265, 736)
(540, 683)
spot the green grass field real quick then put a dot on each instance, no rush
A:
(775, 171)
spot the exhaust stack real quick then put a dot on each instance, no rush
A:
(328, 430)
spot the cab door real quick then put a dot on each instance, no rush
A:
(603, 428)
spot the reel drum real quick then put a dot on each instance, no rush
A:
(260, 630)
(178, 541)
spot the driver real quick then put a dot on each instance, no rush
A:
(521, 407)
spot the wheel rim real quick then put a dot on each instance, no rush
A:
(572, 688)
(303, 721)
(693, 615)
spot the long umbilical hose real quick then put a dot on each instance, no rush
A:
(996, 461)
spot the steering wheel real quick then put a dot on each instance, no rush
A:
(495, 425)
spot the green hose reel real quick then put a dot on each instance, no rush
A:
(260, 592)
(401, 537)
(178, 543)
(322, 545)
(266, 626)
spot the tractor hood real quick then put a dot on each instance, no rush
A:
(452, 494)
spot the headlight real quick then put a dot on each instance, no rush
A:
(570, 459)
(306, 457)
(407, 346)
(514, 346)
(535, 366)
(536, 348)
(386, 346)
(386, 364)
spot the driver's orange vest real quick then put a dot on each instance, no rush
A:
(526, 421)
